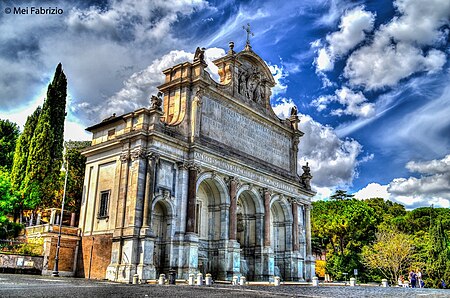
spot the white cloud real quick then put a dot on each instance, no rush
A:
(373, 190)
(279, 75)
(355, 103)
(333, 161)
(396, 50)
(352, 31)
(432, 187)
(141, 85)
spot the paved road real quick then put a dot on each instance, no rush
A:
(39, 286)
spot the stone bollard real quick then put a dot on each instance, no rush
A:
(384, 283)
(135, 279)
(162, 279)
(352, 282)
(235, 280)
(276, 281)
(199, 279)
(191, 279)
(315, 281)
(208, 279)
(242, 281)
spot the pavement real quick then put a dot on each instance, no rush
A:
(16, 285)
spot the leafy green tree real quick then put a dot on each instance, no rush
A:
(8, 203)
(76, 167)
(46, 146)
(391, 254)
(344, 226)
(340, 195)
(438, 265)
(19, 168)
(9, 132)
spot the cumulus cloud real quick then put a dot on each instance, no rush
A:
(431, 187)
(141, 85)
(373, 190)
(355, 103)
(397, 47)
(352, 31)
(100, 47)
(279, 75)
(333, 161)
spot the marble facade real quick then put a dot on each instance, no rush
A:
(205, 180)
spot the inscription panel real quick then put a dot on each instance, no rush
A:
(252, 137)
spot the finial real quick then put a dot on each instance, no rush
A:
(231, 45)
(248, 47)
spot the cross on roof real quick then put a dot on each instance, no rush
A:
(247, 29)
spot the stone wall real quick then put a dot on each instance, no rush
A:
(21, 264)
(95, 256)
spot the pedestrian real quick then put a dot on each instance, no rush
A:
(419, 278)
(412, 278)
(443, 284)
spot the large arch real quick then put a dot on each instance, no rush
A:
(249, 226)
(281, 235)
(212, 204)
(162, 226)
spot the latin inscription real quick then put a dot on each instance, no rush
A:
(245, 134)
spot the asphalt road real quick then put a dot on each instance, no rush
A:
(15, 285)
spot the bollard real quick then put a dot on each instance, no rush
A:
(199, 279)
(208, 279)
(276, 281)
(384, 283)
(235, 280)
(242, 281)
(172, 277)
(191, 279)
(135, 279)
(162, 279)
(352, 282)
(315, 281)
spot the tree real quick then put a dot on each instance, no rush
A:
(391, 254)
(45, 150)
(8, 203)
(9, 132)
(19, 168)
(340, 195)
(438, 266)
(76, 167)
(344, 227)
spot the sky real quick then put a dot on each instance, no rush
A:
(371, 79)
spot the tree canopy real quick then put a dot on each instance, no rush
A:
(9, 132)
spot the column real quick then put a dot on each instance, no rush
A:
(192, 198)
(295, 226)
(233, 207)
(308, 229)
(152, 159)
(266, 217)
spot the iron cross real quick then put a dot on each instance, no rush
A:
(248, 33)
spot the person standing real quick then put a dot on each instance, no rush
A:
(412, 278)
(419, 278)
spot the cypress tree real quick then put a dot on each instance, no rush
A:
(46, 146)
(9, 132)
(438, 266)
(19, 168)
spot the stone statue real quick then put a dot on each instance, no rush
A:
(294, 111)
(156, 101)
(199, 55)
(306, 177)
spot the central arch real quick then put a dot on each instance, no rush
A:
(281, 235)
(212, 206)
(249, 231)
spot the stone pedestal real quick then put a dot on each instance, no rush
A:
(146, 268)
(310, 267)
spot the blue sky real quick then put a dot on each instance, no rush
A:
(370, 78)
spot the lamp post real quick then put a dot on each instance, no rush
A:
(58, 246)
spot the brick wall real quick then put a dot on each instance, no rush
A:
(99, 246)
